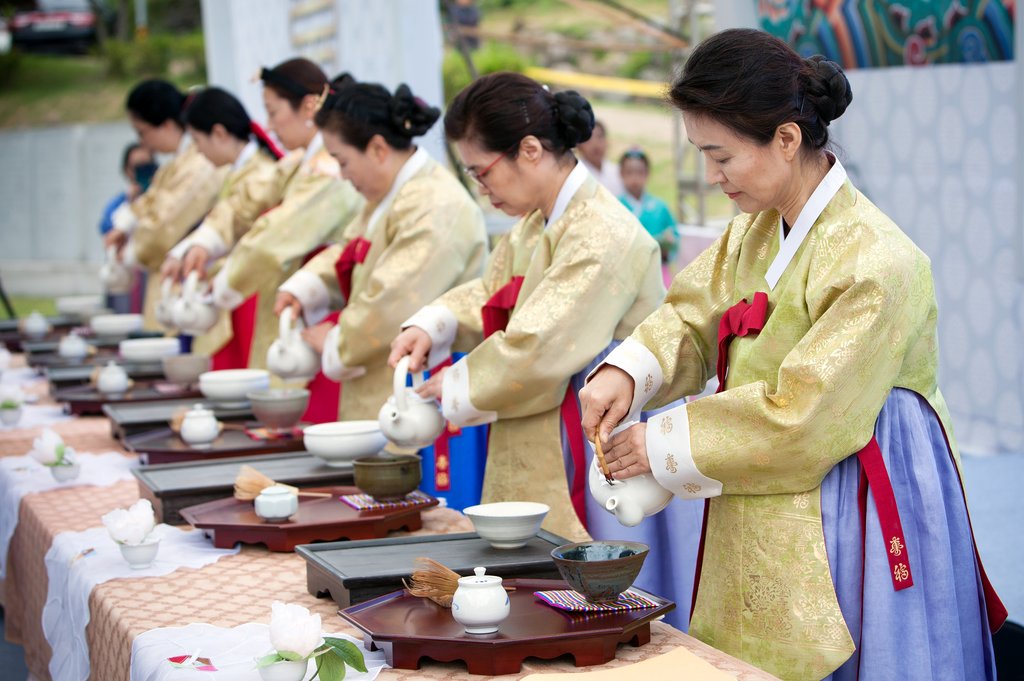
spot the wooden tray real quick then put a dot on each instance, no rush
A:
(353, 572)
(318, 519)
(67, 377)
(408, 628)
(46, 360)
(130, 419)
(164, 446)
(171, 487)
(87, 400)
(61, 321)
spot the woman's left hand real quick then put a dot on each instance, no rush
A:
(316, 335)
(626, 452)
(432, 387)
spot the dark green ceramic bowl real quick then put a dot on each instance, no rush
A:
(387, 477)
(600, 570)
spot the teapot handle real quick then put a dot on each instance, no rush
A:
(398, 384)
(112, 254)
(191, 288)
(284, 323)
(165, 288)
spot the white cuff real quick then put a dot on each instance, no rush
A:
(208, 238)
(668, 451)
(225, 297)
(455, 402)
(128, 258)
(441, 325)
(124, 218)
(312, 293)
(330, 360)
(181, 248)
(640, 363)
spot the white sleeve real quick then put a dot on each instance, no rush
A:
(330, 360)
(671, 459)
(441, 325)
(124, 219)
(208, 238)
(455, 402)
(225, 297)
(311, 293)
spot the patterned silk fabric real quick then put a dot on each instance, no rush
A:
(853, 316)
(183, 191)
(590, 277)
(431, 239)
(314, 208)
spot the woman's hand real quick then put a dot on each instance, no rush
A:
(316, 335)
(414, 342)
(287, 300)
(626, 453)
(196, 260)
(114, 238)
(605, 400)
(171, 269)
(432, 387)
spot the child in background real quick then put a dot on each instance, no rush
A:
(652, 212)
(137, 166)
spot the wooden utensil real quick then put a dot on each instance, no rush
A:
(599, 451)
(250, 482)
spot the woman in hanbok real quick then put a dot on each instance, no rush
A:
(837, 543)
(420, 234)
(306, 206)
(183, 190)
(224, 134)
(575, 273)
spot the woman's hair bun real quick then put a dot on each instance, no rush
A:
(574, 117)
(410, 115)
(827, 89)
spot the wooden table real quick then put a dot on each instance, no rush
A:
(233, 591)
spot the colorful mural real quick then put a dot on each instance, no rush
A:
(869, 33)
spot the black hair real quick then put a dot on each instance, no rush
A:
(500, 109)
(155, 102)
(636, 155)
(213, 105)
(294, 79)
(127, 153)
(753, 82)
(358, 111)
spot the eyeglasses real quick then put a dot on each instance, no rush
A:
(479, 175)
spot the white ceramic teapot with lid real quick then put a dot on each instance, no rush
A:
(72, 346)
(115, 275)
(480, 602)
(35, 325)
(112, 379)
(165, 306)
(200, 426)
(289, 356)
(407, 419)
(630, 500)
(191, 314)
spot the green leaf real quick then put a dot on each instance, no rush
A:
(330, 668)
(348, 652)
(59, 449)
(290, 656)
(268, 660)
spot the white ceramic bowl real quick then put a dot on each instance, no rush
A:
(115, 324)
(79, 304)
(507, 524)
(148, 349)
(231, 385)
(339, 442)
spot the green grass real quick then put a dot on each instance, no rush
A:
(25, 305)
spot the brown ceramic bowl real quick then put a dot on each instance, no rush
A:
(600, 570)
(185, 369)
(387, 477)
(279, 409)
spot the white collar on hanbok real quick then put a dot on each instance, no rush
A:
(820, 198)
(186, 140)
(411, 166)
(314, 147)
(248, 151)
(572, 184)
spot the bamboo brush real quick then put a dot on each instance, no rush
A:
(432, 580)
(250, 482)
(599, 451)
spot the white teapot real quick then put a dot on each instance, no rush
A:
(629, 500)
(112, 379)
(191, 314)
(72, 346)
(165, 306)
(276, 503)
(289, 356)
(116, 277)
(35, 325)
(480, 603)
(407, 419)
(200, 426)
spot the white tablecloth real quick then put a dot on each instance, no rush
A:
(78, 561)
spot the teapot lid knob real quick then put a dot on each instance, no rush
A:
(479, 571)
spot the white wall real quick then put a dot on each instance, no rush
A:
(54, 183)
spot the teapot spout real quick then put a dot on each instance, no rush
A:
(629, 515)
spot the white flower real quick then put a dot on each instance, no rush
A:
(294, 630)
(131, 526)
(48, 448)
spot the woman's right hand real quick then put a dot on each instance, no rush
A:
(285, 299)
(171, 269)
(414, 342)
(605, 400)
(196, 260)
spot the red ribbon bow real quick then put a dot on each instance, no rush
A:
(741, 319)
(353, 254)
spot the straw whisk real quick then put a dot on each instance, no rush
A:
(250, 482)
(435, 581)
